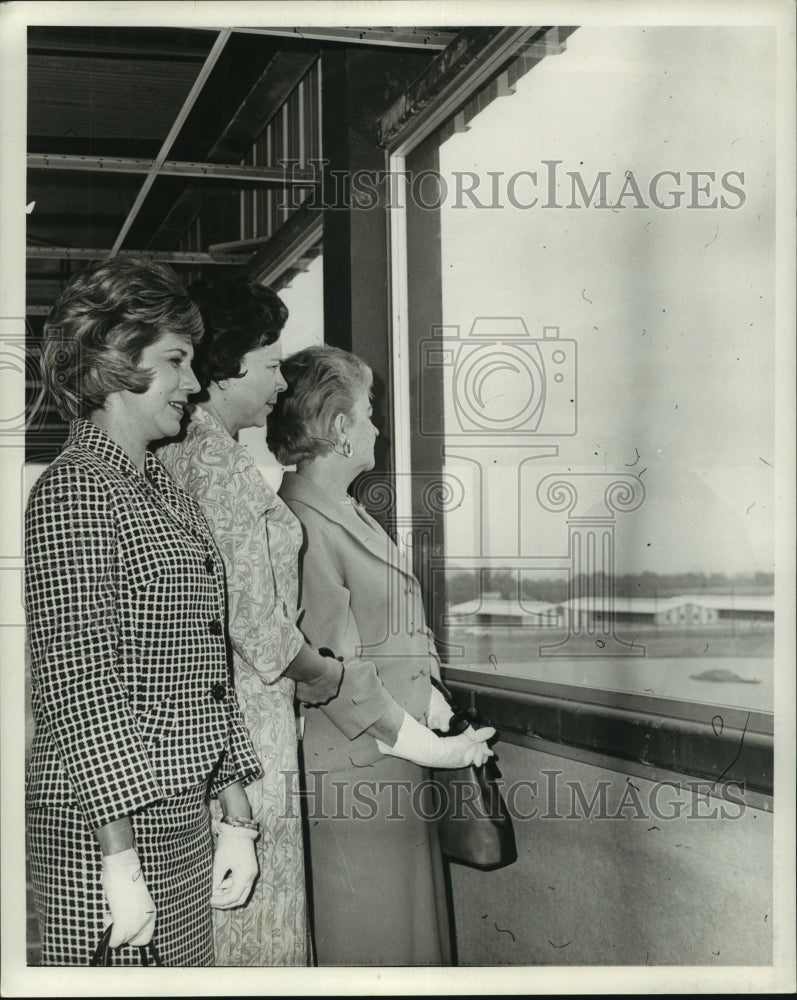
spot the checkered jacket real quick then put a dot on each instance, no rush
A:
(125, 606)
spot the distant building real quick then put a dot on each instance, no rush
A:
(684, 611)
(482, 614)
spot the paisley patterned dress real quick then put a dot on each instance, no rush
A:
(259, 540)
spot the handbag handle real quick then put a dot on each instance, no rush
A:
(462, 717)
(148, 953)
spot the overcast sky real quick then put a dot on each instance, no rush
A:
(672, 311)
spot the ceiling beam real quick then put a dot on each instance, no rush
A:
(414, 38)
(142, 43)
(301, 231)
(189, 102)
(134, 165)
(167, 256)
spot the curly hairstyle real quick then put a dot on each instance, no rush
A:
(100, 324)
(322, 382)
(239, 315)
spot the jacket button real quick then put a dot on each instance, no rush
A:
(216, 628)
(218, 691)
(209, 564)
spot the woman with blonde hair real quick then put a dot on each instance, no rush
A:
(376, 869)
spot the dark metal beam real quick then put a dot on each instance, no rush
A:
(277, 80)
(168, 256)
(133, 165)
(174, 44)
(623, 728)
(413, 38)
(188, 104)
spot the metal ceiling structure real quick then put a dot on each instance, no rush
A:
(135, 134)
(203, 148)
(173, 143)
(168, 142)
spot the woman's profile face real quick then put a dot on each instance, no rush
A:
(362, 433)
(157, 412)
(251, 397)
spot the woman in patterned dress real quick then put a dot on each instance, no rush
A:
(238, 364)
(135, 719)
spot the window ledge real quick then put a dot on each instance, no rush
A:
(648, 736)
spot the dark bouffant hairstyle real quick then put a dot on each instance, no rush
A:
(100, 324)
(239, 315)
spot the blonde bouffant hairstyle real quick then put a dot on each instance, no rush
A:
(100, 324)
(322, 382)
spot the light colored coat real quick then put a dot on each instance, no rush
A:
(359, 597)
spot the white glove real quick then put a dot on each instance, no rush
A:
(420, 745)
(234, 866)
(439, 712)
(132, 910)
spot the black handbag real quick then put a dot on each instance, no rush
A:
(102, 956)
(474, 825)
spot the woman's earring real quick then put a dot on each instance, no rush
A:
(223, 384)
(347, 448)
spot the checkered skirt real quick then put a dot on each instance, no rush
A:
(174, 844)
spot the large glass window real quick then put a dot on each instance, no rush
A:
(591, 366)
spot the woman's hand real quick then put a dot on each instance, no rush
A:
(439, 712)
(234, 866)
(420, 745)
(325, 687)
(318, 674)
(132, 909)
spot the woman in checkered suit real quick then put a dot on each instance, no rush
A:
(136, 721)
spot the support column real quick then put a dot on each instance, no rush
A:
(358, 85)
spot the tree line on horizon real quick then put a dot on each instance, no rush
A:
(465, 585)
